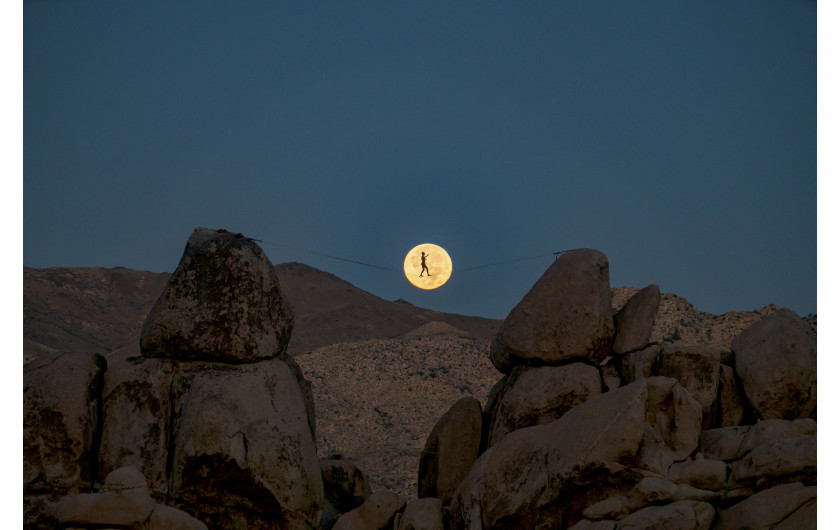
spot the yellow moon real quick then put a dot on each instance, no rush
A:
(438, 266)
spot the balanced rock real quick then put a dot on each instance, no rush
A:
(567, 314)
(634, 322)
(538, 395)
(222, 303)
(242, 452)
(450, 450)
(776, 359)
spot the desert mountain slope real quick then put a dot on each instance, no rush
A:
(85, 308)
(329, 310)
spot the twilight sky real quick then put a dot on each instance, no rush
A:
(679, 138)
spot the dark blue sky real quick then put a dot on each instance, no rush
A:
(679, 138)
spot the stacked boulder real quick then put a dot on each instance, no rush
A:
(208, 408)
(593, 426)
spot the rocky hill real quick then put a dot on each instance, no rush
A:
(205, 392)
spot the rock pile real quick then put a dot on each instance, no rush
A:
(209, 410)
(595, 427)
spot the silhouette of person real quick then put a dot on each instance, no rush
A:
(423, 263)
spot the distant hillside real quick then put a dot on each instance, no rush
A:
(101, 310)
(329, 310)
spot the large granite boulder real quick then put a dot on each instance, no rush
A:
(450, 451)
(62, 422)
(242, 452)
(538, 395)
(345, 486)
(698, 371)
(137, 408)
(767, 508)
(548, 474)
(222, 303)
(422, 514)
(567, 314)
(634, 322)
(776, 359)
(123, 502)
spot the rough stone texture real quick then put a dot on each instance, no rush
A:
(345, 486)
(222, 303)
(640, 364)
(696, 368)
(804, 518)
(777, 461)
(586, 524)
(62, 415)
(538, 395)
(137, 409)
(610, 374)
(169, 518)
(422, 514)
(703, 474)
(673, 425)
(776, 359)
(723, 443)
(123, 501)
(770, 430)
(242, 451)
(682, 515)
(649, 490)
(377, 513)
(634, 321)
(766, 508)
(544, 474)
(567, 314)
(731, 399)
(451, 450)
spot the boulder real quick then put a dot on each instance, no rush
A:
(730, 398)
(701, 473)
(649, 490)
(696, 368)
(545, 474)
(169, 518)
(673, 425)
(422, 514)
(640, 364)
(803, 518)
(222, 303)
(62, 421)
(450, 450)
(781, 460)
(770, 430)
(776, 360)
(634, 322)
(567, 314)
(766, 508)
(123, 501)
(137, 409)
(242, 452)
(345, 486)
(538, 395)
(723, 443)
(377, 513)
(682, 515)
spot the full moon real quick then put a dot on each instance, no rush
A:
(438, 266)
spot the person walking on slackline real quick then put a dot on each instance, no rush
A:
(423, 263)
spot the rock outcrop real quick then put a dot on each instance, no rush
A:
(205, 407)
(222, 303)
(566, 315)
(662, 435)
